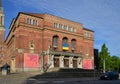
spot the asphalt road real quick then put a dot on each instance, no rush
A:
(25, 78)
(55, 81)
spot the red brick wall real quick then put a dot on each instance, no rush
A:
(43, 33)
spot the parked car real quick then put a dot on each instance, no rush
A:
(110, 75)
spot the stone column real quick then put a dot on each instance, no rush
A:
(70, 62)
(52, 61)
(61, 61)
(79, 62)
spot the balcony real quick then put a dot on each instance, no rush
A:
(65, 53)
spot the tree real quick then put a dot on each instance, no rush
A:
(115, 62)
(104, 58)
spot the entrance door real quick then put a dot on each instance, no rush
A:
(56, 62)
(75, 63)
(66, 62)
(13, 64)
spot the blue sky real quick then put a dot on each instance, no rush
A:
(101, 16)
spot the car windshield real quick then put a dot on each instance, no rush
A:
(108, 73)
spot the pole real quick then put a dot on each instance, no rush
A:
(103, 65)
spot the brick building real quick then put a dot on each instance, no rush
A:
(2, 34)
(44, 41)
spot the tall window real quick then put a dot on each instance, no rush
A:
(31, 46)
(56, 25)
(65, 27)
(60, 26)
(74, 30)
(35, 22)
(65, 40)
(65, 46)
(73, 45)
(29, 21)
(69, 28)
(55, 43)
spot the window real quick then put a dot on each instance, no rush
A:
(55, 43)
(32, 22)
(64, 40)
(65, 27)
(55, 25)
(73, 44)
(65, 45)
(74, 30)
(86, 34)
(29, 21)
(69, 28)
(35, 22)
(60, 26)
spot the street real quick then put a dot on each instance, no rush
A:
(78, 82)
(75, 82)
(34, 78)
(55, 81)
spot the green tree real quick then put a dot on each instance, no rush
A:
(115, 63)
(104, 58)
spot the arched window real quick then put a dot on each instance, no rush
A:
(73, 45)
(65, 45)
(55, 43)
(65, 40)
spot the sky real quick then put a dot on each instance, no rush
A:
(101, 16)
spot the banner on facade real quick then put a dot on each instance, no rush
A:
(65, 46)
(31, 60)
(87, 64)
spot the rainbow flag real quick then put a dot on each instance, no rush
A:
(65, 46)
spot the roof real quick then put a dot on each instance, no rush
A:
(88, 29)
(42, 16)
(33, 14)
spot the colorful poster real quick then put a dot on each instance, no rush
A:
(30, 60)
(87, 64)
(65, 46)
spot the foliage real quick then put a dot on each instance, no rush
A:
(104, 55)
(111, 62)
(115, 63)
